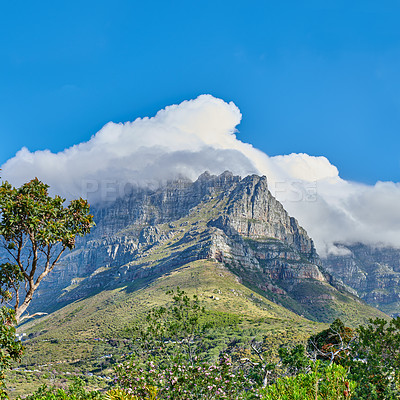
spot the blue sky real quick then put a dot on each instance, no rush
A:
(319, 77)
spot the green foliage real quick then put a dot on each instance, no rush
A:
(10, 348)
(76, 391)
(323, 382)
(120, 394)
(10, 278)
(175, 331)
(372, 355)
(36, 229)
(376, 360)
(294, 359)
(30, 211)
(123, 394)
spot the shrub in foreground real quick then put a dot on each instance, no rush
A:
(323, 382)
(76, 391)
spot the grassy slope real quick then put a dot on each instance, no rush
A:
(68, 340)
(109, 313)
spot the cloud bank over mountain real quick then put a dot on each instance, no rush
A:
(185, 140)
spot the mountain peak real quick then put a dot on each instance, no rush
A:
(220, 218)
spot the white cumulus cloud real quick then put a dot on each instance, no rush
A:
(196, 135)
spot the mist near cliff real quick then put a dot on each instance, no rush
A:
(184, 140)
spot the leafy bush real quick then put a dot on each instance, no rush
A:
(323, 382)
(76, 391)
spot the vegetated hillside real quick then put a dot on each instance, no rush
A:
(224, 238)
(90, 335)
(72, 332)
(373, 271)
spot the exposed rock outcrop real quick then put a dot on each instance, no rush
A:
(374, 272)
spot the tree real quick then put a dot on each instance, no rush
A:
(35, 229)
(371, 353)
(376, 360)
(332, 344)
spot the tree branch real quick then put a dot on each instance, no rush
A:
(32, 316)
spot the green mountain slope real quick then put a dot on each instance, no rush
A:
(109, 313)
(88, 336)
(226, 239)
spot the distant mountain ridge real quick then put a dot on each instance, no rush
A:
(372, 271)
(233, 221)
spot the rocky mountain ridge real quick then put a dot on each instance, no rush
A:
(372, 271)
(233, 221)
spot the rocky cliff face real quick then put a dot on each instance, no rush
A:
(225, 218)
(251, 211)
(374, 272)
(146, 207)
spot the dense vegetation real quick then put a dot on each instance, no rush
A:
(171, 359)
